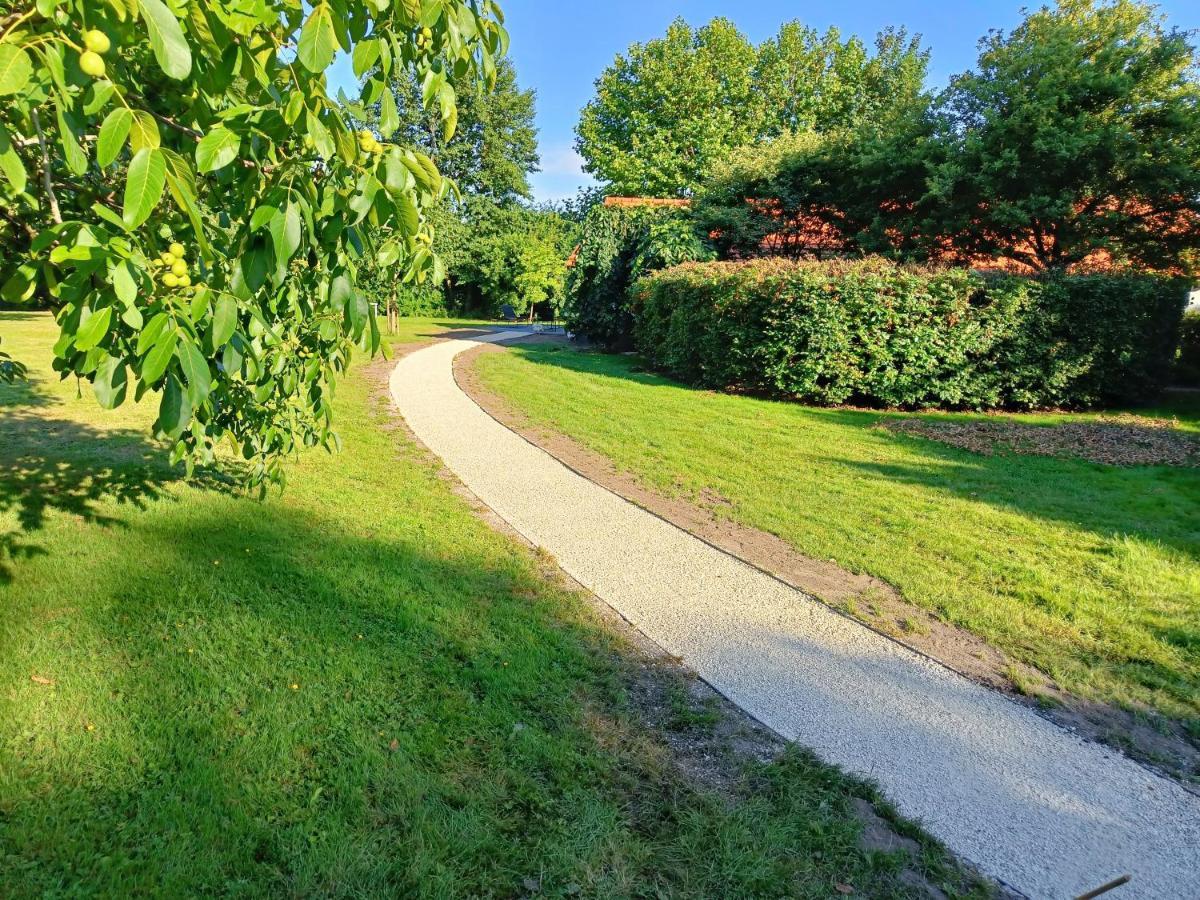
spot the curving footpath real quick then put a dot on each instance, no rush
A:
(1027, 802)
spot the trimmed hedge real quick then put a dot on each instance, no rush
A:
(618, 245)
(875, 333)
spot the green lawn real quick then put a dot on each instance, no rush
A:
(1089, 572)
(353, 689)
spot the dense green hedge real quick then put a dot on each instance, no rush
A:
(618, 245)
(876, 333)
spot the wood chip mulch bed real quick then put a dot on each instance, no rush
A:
(1115, 441)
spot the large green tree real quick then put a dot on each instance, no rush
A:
(808, 81)
(495, 249)
(512, 254)
(493, 149)
(178, 184)
(1078, 131)
(666, 111)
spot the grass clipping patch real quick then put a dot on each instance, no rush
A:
(1111, 440)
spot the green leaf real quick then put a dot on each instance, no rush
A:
(123, 282)
(322, 139)
(410, 220)
(225, 317)
(93, 329)
(389, 117)
(295, 106)
(152, 332)
(424, 170)
(101, 93)
(132, 316)
(111, 382)
(160, 356)
(166, 38)
(411, 10)
(10, 162)
(361, 201)
(263, 216)
(113, 132)
(75, 158)
(339, 291)
(318, 40)
(198, 308)
(143, 132)
(217, 149)
(195, 369)
(109, 216)
(15, 69)
(144, 186)
(365, 55)
(286, 234)
(231, 358)
(20, 285)
(174, 410)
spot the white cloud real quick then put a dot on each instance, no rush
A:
(561, 160)
(562, 173)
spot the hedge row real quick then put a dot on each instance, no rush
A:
(875, 333)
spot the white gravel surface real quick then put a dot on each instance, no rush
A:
(1026, 801)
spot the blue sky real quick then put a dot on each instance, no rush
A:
(560, 47)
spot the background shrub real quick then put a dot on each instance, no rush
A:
(1187, 366)
(877, 333)
(618, 244)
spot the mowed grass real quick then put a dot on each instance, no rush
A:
(353, 689)
(1089, 572)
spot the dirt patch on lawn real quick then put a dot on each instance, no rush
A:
(1113, 440)
(705, 738)
(1143, 735)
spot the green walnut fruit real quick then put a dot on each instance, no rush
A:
(91, 63)
(96, 41)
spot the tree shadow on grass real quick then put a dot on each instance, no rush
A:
(1146, 502)
(1150, 504)
(50, 465)
(327, 713)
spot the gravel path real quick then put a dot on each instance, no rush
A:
(1027, 802)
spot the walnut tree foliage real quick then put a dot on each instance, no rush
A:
(497, 250)
(177, 182)
(494, 147)
(668, 109)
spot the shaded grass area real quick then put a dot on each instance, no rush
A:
(1089, 572)
(352, 689)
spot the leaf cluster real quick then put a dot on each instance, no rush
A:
(206, 128)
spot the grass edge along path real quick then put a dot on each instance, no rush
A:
(1087, 572)
(356, 688)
